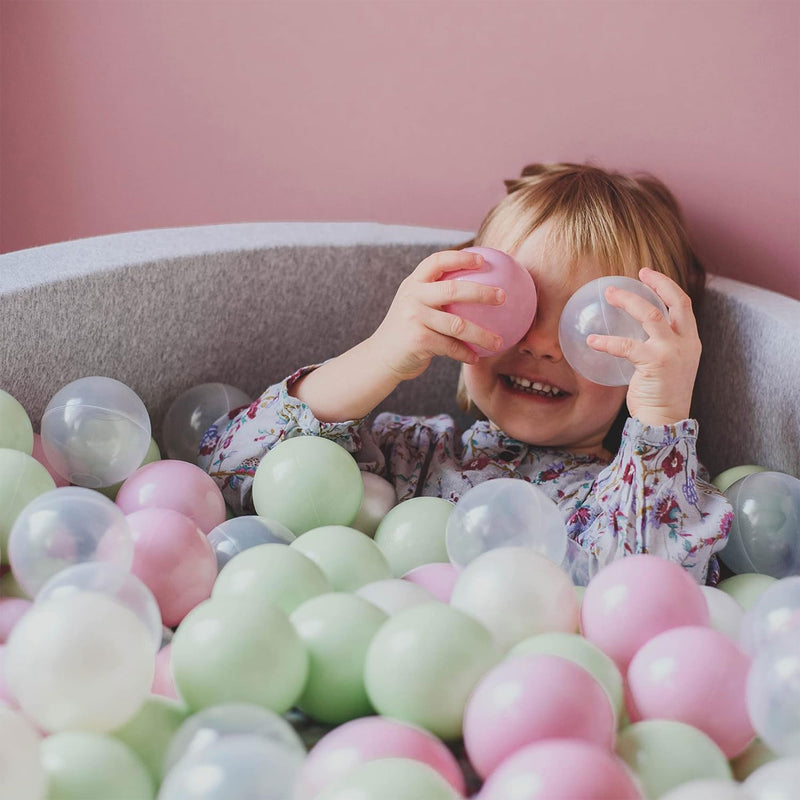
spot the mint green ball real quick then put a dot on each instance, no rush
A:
(582, 652)
(16, 430)
(336, 629)
(664, 753)
(306, 482)
(423, 664)
(390, 779)
(22, 479)
(746, 588)
(149, 731)
(228, 651)
(152, 454)
(271, 573)
(348, 558)
(413, 533)
(93, 766)
(728, 477)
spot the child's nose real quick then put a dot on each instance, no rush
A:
(541, 340)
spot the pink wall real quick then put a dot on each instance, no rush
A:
(125, 115)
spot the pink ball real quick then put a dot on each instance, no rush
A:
(438, 579)
(531, 698)
(163, 681)
(634, 599)
(514, 317)
(694, 675)
(561, 769)
(174, 559)
(12, 609)
(369, 738)
(178, 485)
(38, 454)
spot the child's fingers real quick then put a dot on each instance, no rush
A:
(458, 328)
(679, 303)
(441, 293)
(434, 266)
(642, 310)
(619, 346)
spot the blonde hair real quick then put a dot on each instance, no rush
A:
(624, 221)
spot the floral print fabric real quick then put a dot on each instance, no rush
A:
(652, 497)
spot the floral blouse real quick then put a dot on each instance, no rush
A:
(652, 497)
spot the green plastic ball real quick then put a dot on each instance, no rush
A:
(22, 478)
(149, 731)
(152, 454)
(93, 766)
(336, 629)
(413, 534)
(306, 482)
(348, 558)
(583, 653)
(423, 664)
(746, 588)
(231, 651)
(390, 779)
(16, 430)
(664, 754)
(728, 477)
(271, 573)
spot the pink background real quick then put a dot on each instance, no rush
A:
(119, 116)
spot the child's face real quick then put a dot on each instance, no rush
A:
(580, 413)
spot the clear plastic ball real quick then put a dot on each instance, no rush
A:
(588, 312)
(776, 614)
(111, 580)
(234, 767)
(505, 512)
(65, 527)
(241, 533)
(776, 780)
(209, 726)
(193, 412)
(765, 535)
(773, 695)
(95, 431)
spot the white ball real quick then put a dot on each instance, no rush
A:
(776, 780)
(23, 776)
(83, 661)
(726, 613)
(516, 593)
(394, 594)
(708, 789)
(379, 499)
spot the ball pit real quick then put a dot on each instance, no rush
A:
(399, 665)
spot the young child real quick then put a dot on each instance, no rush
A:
(539, 419)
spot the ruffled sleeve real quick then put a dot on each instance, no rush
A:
(654, 497)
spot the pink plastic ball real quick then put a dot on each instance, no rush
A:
(634, 599)
(438, 579)
(531, 698)
(174, 559)
(694, 675)
(370, 738)
(38, 454)
(12, 609)
(512, 319)
(163, 681)
(561, 769)
(178, 485)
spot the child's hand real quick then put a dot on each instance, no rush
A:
(416, 328)
(660, 392)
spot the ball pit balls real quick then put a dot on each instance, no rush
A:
(438, 579)
(391, 595)
(777, 780)
(192, 412)
(746, 588)
(588, 312)
(238, 534)
(306, 482)
(38, 454)
(728, 477)
(504, 512)
(765, 534)
(726, 613)
(379, 498)
(368, 739)
(152, 454)
(65, 527)
(24, 777)
(176, 485)
(712, 789)
(775, 615)
(16, 430)
(95, 431)
(512, 318)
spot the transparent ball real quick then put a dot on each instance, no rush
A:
(765, 535)
(111, 580)
(64, 527)
(95, 431)
(776, 614)
(193, 412)
(505, 512)
(241, 533)
(587, 312)
(579, 564)
(773, 695)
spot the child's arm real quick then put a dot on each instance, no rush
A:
(414, 330)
